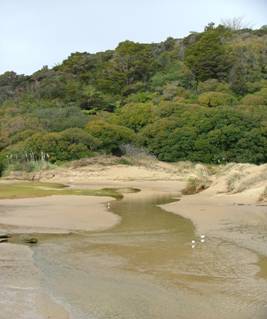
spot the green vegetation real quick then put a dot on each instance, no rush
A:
(37, 189)
(202, 98)
(207, 56)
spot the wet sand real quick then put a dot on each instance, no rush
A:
(236, 217)
(145, 268)
(56, 214)
(21, 293)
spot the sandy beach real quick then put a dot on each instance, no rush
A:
(215, 212)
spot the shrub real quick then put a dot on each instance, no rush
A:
(196, 185)
(2, 165)
(252, 99)
(213, 99)
(67, 145)
(216, 135)
(110, 136)
(136, 115)
(177, 71)
(214, 86)
(76, 136)
(263, 195)
(59, 119)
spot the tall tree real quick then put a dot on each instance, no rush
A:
(207, 57)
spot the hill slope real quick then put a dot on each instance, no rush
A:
(202, 98)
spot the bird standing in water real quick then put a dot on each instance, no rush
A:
(202, 238)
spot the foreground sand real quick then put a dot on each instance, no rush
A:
(21, 295)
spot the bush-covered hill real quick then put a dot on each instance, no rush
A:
(201, 98)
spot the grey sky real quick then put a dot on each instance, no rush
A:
(44, 32)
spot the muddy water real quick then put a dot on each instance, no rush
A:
(145, 268)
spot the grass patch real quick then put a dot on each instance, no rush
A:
(28, 167)
(124, 161)
(196, 185)
(37, 189)
(263, 195)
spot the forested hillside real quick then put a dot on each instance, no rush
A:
(202, 98)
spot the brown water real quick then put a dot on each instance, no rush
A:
(145, 268)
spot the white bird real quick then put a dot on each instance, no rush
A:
(202, 240)
(202, 236)
(193, 246)
(193, 242)
(108, 205)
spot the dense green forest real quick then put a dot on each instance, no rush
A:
(202, 98)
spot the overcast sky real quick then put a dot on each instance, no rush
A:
(44, 32)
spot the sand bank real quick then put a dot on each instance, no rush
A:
(235, 217)
(56, 214)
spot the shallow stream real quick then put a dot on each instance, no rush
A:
(145, 268)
